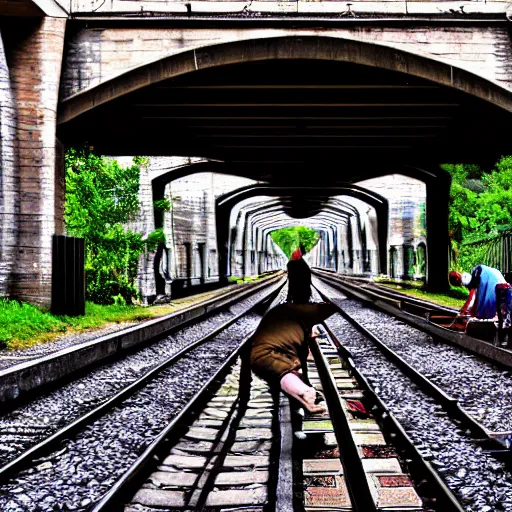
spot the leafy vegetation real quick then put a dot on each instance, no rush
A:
(163, 205)
(241, 280)
(289, 239)
(23, 325)
(480, 211)
(454, 298)
(101, 198)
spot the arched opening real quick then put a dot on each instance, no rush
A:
(301, 111)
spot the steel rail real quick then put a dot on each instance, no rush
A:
(421, 469)
(26, 457)
(355, 476)
(450, 404)
(405, 303)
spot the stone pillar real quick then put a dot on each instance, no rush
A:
(201, 247)
(245, 251)
(9, 177)
(188, 264)
(222, 215)
(34, 54)
(438, 195)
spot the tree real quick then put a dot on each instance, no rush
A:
(480, 210)
(101, 196)
(289, 239)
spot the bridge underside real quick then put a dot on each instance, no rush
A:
(297, 120)
(305, 122)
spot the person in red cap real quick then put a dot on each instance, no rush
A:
(299, 278)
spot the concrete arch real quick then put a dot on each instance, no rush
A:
(436, 180)
(158, 184)
(285, 47)
(266, 215)
(225, 203)
(437, 183)
(269, 218)
(243, 216)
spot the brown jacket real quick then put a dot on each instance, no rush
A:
(280, 340)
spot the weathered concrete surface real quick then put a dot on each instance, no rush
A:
(94, 56)
(190, 252)
(475, 57)
(21, 379)
(34, 54)
(9, 177)
(358, 7)
(407, 198)
(35, 8)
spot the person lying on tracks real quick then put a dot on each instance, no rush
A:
(279, 348)
(490, 296)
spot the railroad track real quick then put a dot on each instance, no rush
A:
(472, 461)
(235, 453)
(222, 445)
(51, 465)
(50, 363)
(479, 388)
(428, 317)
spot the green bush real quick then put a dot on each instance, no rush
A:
(101, 198)
(480, 209)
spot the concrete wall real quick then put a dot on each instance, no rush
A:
(407, 229)
(192, 221)
(257, 7)
(31, 182)
(96, 55)
(9, 177)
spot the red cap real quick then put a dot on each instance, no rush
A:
(455, 278)
(296, 255)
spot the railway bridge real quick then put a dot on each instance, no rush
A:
(307, 99)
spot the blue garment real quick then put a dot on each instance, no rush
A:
(485, 279)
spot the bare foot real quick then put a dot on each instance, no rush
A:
(308, 398)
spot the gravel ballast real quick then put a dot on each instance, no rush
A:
(478, 480)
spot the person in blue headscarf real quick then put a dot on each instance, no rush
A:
(490, 296)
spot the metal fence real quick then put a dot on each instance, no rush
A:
(498, 253)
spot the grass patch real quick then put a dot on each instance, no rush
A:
(454, 298)
(242, 280)
(406, 285)
(23, 325)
